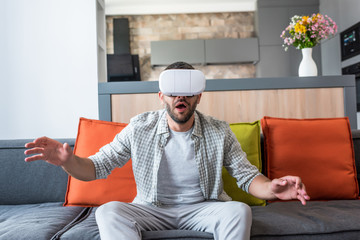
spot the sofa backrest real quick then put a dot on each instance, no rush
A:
(26, 183)
(39, 182)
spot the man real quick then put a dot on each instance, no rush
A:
(177, 156)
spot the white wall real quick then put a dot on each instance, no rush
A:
(48, 67)
(345, 13)
(330, 49)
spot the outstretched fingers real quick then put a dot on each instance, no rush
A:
(35, 147)
(293, 180)
(37, 142)
(302, 194)
(294, 187)
(35, 150)
(30, 145)
(34, 158)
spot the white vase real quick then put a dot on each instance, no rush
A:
(307, 66)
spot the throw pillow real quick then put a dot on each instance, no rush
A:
(248, 135)
(119, 185)
(320, 151)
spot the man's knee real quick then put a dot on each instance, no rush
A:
(233, 221)
(244, 209)
(108, 209)
(113, 219)
(237, 210)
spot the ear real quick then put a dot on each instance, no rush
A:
(199, 97)
(161, 97)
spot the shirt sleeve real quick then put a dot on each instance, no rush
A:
(237, 164)
(115, 154)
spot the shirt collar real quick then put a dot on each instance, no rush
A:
(197, 126)
(163, 126)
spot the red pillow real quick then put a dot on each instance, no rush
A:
(320, 151)
(120, 184)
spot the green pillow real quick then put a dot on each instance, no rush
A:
(248, 135)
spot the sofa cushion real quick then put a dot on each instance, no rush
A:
(316, 220)
(35, 221)
(320, 151)
(87, 229)
(120, 184)
(84, 229)
(23, 183)
(248, 135)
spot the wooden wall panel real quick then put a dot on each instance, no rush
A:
(126, 106)
(244, 106)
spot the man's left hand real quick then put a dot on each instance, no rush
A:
(289, 187)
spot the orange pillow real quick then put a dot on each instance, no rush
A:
(320, 151)
(119, 185)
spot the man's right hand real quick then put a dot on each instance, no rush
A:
(48, 150)
(59, 154)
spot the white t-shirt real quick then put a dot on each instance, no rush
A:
(178, 175)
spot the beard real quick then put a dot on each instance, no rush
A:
(182, 118)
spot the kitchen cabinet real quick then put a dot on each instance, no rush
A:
(167, 52)
(231, 50)
(210, 51)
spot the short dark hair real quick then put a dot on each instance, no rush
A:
(179, 65)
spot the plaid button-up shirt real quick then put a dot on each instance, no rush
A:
(144, 139)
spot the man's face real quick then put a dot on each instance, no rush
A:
(180, 108)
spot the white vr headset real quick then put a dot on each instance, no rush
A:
(182, 82)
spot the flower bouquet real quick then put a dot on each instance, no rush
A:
(308, 31)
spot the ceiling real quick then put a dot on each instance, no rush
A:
(141, 7)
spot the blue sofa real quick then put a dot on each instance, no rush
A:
(32, 196)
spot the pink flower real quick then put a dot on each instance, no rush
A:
(318, 27)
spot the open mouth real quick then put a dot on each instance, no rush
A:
(180, 106)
